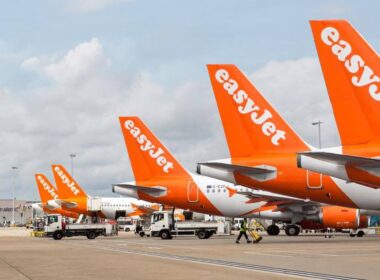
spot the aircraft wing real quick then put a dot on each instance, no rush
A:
(279, 202)
(260, 172)
(143, 210)
(131, 190)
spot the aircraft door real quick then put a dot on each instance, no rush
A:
(314, 180)
(192, 191)
(120, 213)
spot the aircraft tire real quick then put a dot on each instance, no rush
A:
(292, 230)
(273, 230)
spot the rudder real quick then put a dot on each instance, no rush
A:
(250, 123)
(149, 158)
(66, 184)
(351, 68)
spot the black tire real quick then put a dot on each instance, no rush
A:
(142, 234)
(127, 229)
(352, 234)
(360, 233)
(91, 235)
(292, 230)
(273, 230)
(202, 234)
(165, 234)
(57, 235)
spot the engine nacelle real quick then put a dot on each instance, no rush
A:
(340, 217)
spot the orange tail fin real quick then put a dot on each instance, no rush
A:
(66, 184)
(250, 123)
(46, 190)
(149, 158)
(351, 68)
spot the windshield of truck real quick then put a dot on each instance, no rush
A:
(158, 217)
(52, 219)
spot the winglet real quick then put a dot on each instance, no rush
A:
(351, 68)
(66, 184)
(250, 123)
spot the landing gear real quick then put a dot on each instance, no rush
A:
(292, 230)
(273, 230)
(360, 233)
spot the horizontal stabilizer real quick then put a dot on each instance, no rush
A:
(361, 170)
(344, 159)
(68, 203)
(127, 189)
(260, 173)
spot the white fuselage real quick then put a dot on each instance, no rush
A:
(123, 205)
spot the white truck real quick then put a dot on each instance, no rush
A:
(127, 225)
(164, 226)
(56, 227)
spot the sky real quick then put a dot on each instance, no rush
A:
(69, 68)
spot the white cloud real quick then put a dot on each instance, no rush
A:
(83, 6)
(296, 88)
(84, 61)
(77, 113)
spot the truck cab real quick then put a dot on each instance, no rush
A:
(161, 220)
(163, 225)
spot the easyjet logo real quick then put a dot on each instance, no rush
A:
(146, 146)
(70, 184)
(247, 106)
(354, 63)
(47, 187)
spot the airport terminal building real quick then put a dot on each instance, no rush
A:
(23, 211)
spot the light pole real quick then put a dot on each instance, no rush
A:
(72, 156)
(319, 132)
(14, 168)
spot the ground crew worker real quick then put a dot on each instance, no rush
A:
(243, 231)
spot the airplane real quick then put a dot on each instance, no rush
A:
(263, 148)
(160, 178)
(74, 199)
(48, 193)
(351, 68)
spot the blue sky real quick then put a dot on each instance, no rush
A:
(152, 35)
(129, 48)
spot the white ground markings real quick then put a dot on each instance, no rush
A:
(213, 262)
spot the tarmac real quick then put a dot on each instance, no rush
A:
(129, 256)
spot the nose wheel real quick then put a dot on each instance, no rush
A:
(292, 230)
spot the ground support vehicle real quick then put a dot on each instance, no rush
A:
(56, 227)
(164, 226)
